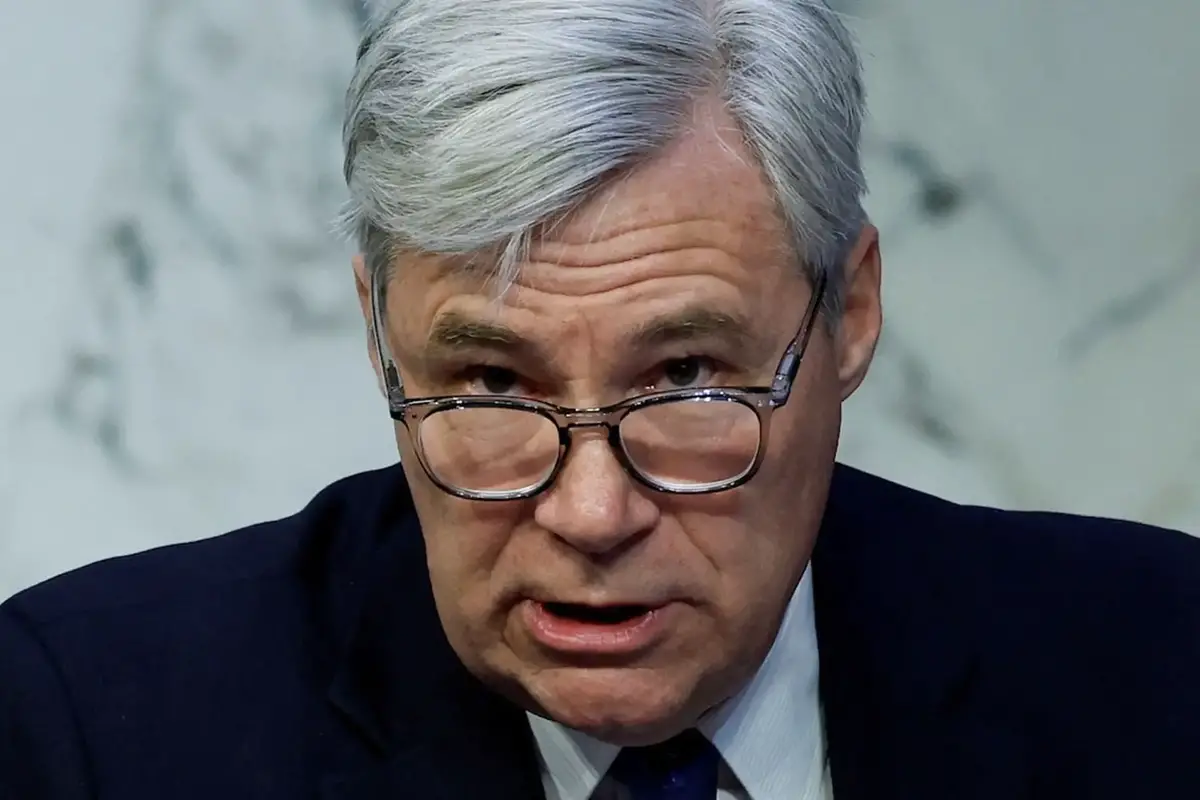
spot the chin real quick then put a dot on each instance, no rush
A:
(624, 706)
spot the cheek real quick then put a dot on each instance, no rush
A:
(748, 555)
(464, 572)
(464, 553)
(802, 443)
(757, 562)
(465, 545)
(790, 497)
(760, 537)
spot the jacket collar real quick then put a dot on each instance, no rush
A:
(901, 665)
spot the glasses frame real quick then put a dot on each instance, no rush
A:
(762, 400)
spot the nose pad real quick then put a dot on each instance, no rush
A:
(595, 430)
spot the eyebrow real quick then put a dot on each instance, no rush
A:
(696, 323)
(454, 333)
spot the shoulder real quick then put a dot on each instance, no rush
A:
(194, 654)
(1022, 553)
(1110, 573)
(336, 530)
(277, 586)
(1080, 635)
(1103, 611)
(1051, 597)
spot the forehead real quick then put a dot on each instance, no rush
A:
(696, 225)
(706, 183)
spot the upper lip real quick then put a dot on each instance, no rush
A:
(599, 602)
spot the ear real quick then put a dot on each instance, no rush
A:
(862, 311)
(362, 285)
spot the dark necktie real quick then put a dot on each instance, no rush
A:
(682, 768)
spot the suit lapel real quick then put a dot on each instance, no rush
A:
(424, 726)
(903, 684)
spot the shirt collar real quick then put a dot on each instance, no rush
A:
(769, 734)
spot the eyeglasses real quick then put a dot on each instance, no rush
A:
(682, 441)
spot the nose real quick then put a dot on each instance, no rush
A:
(593, 504)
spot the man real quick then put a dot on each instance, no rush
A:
(617, 283)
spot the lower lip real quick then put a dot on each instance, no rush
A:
(567, 635)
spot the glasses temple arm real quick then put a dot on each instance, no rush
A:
(393, 386)
(789, 365)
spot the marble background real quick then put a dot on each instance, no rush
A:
(182, 354)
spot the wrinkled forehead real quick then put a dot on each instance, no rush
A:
(560, 314)
(689, 241)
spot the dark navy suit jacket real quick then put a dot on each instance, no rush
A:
(965, 653)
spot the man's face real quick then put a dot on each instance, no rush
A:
(693, 230)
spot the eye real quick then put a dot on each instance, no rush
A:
(686, 373)
(493, 380)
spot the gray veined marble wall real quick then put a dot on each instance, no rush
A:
(1036, 179)
(181, 348)
(188, 350)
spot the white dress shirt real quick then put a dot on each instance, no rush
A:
(770, 735)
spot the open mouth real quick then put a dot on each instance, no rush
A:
(615, 630)
(597, 615)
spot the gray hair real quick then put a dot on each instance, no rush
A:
(471, 123)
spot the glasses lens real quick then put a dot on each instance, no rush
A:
(689, 445)
(489, 450)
